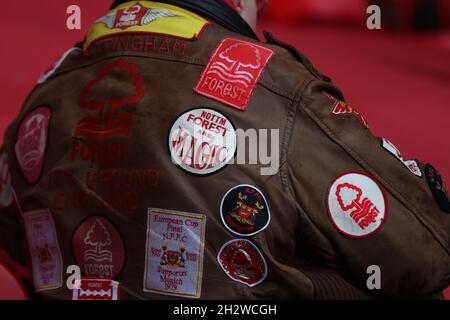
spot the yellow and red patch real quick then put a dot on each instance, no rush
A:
(147, 17)
(341, 107)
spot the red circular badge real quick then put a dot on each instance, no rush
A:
(98, 248)
(242, 261)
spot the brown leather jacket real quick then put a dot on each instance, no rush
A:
(118, 165)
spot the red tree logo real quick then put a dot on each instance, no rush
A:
(349, 197)
(98, 237)
(239, 58)
(97, 95)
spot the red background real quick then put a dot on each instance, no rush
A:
(399, 81)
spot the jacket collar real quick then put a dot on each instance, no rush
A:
(219, 11)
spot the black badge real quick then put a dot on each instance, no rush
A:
(437, 187)
(244, 211)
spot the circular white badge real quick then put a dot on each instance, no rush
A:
(202, 141)
(357, 205)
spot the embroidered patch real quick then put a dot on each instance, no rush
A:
(242, 261)
(412, 165)
(341, 107)
(147, 17)
(6, 192)
(233, 71)
(47, 74)
(98, 248)
(202, 141)
(46, 258)
(437, 187)
(104, 131)
(31, 144)
(96, 289)
(244, 210)
(357, 205)
(174, 253)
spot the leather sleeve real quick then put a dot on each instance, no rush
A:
(363, 204)
(12, 250)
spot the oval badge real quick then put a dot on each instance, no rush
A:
(31, 144)
(242, 261)
(357, 205)
(202, 141)
(98, 248)
(244, 211)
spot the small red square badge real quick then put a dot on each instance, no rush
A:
(233, 72)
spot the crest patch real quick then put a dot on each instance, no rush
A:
(437, 187)
(31, 144)
(242, 261)
(244, 211)
(174, 253)
(147, 17)
(233, 71)
(46, 258)
(96, 289)
(98, 248)
(202, 141)
(357, 205)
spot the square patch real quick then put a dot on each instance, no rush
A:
(46, 258)
(233, 71)
(174, 253)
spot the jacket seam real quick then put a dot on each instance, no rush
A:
(367, 167)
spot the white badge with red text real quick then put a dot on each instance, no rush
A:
(174, 253)
(96, 289)
(6, 193)
(31, 144)
(47, 74)
(233, 72)
(412, 165)
(202, 141)
(46, 258)
(357, 205)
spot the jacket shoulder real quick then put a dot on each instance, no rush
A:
(289, 68)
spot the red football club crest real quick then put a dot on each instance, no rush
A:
(6, 194)
(134, 16)
(109, 127)
(96, 289)
(242, 261)
(233, 72)
(98, 248)
(109, 122)
(31, 144)
(244, 211)
(357, 205)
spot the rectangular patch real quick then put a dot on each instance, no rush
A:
(233, 71)
(46, 258)
(147, 17)
(174, 253)
(96, 289)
